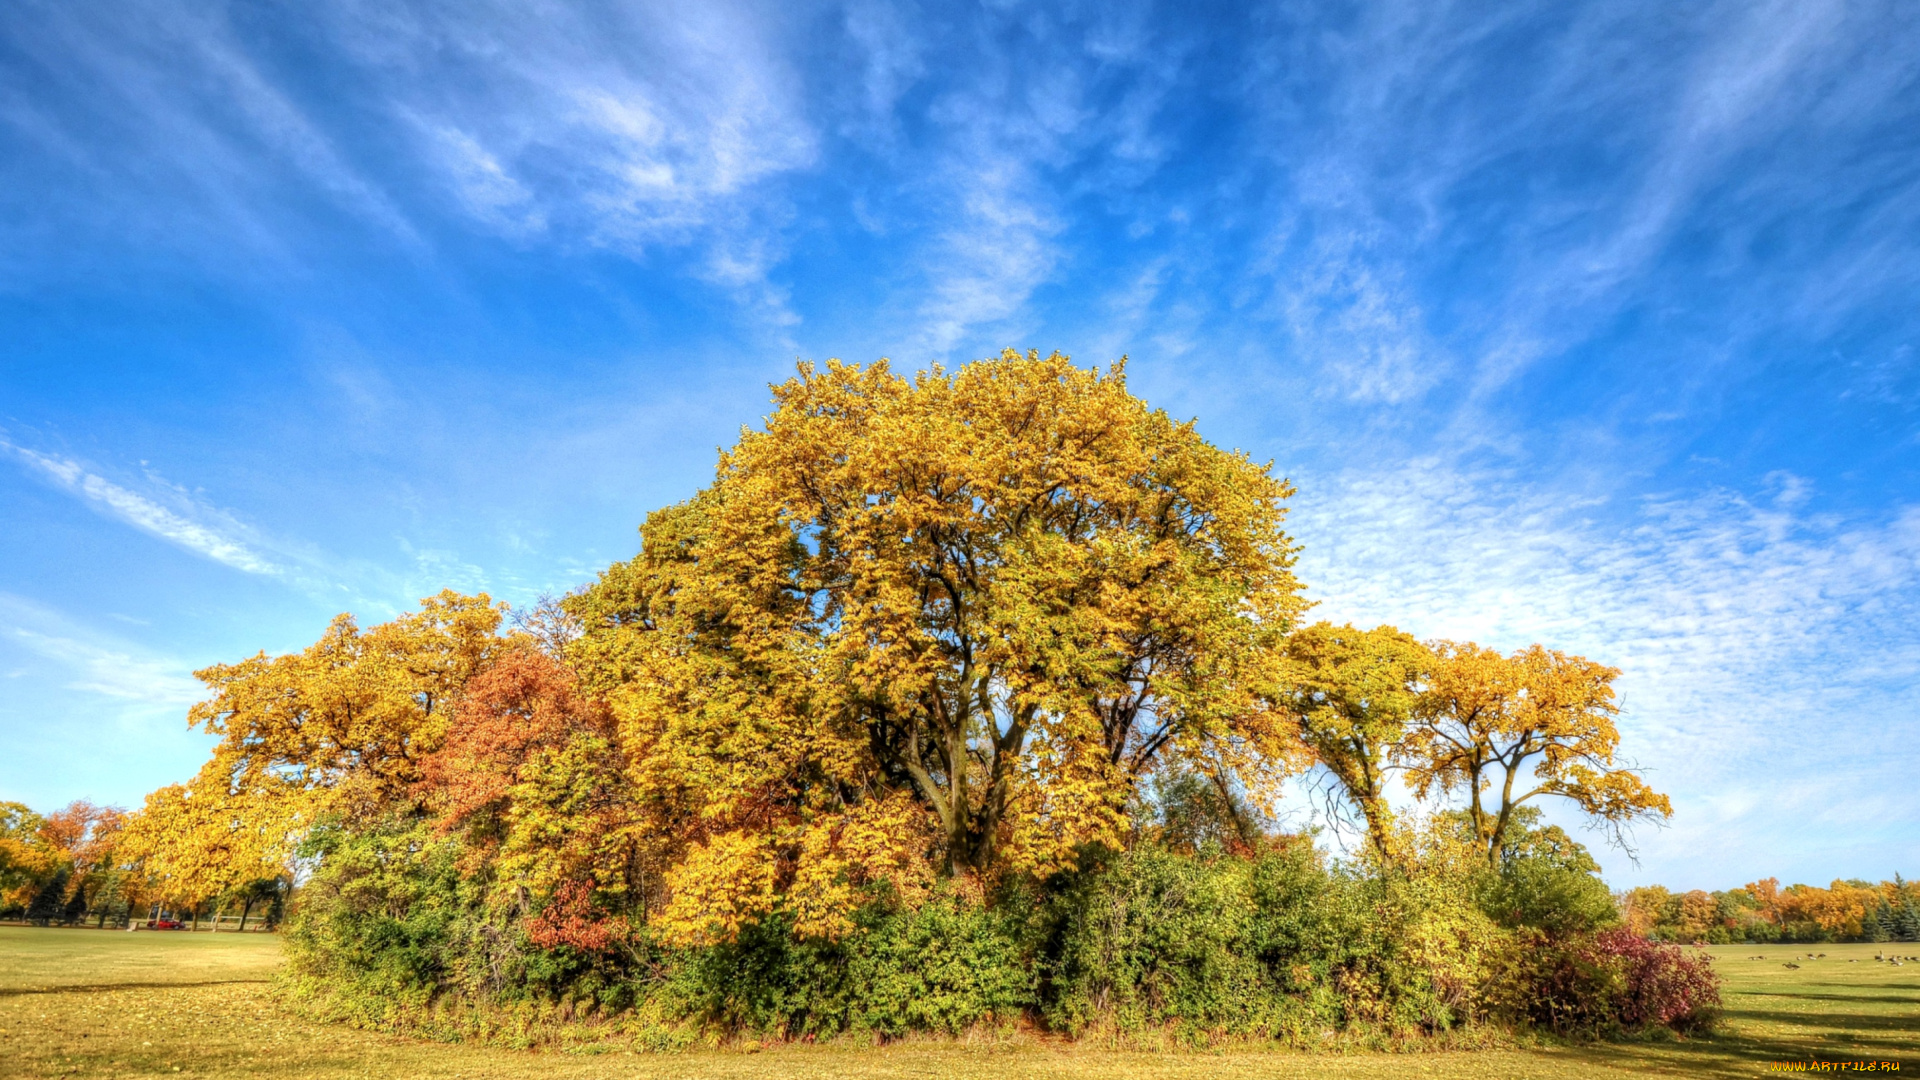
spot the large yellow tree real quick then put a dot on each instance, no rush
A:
(1483, 718)
(344, 725)
(953, 618)
(26, 859)
(1353, 693)
(339, 729)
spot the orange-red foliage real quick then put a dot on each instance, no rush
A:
(66, 828)
(569, 919)
(84, 835)
(525, 702)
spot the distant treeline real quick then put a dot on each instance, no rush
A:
(75, 867)
(1762, 911)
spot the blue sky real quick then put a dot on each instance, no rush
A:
(1591, 324)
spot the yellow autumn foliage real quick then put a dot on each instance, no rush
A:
(1353, 693)
(1482, 718)
(998, 595)
(917, 627)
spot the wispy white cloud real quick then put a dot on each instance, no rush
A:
(1078, 95)
(213, 539)
(438, 568)
(1749, 82)
(892, 59)
(1466, 192)
(1714, 596)
(485, 189)
(98, 663)
(986, 263)
(636, 128)
(171, 513)
(1365, 331)
(1149, 311)
(633, 128)
(89, 712)
(186, 103)
(1764, 647)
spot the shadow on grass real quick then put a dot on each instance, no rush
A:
(1735, 1055)
(1845, 1021)
(98, 988)
(1845, 986)
(1885, 999)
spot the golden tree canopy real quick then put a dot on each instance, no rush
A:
(342, 727)
(1483, 717)
(352, 716)
(1353, 692)
(955, 615)
(25, 854)
(195, 842)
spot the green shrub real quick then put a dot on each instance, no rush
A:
(389, 933)
(374, 924)
(1545, 880)
(1281, 946)
(1538, 894)
(1152, 938)
(944, 966)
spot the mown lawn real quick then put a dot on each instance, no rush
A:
(104, 1004)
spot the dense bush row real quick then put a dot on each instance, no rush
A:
(1196, 946)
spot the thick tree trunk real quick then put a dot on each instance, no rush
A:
(244, 912)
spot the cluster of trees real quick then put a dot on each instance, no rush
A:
(1762, 911)
(85, 864)
(61, 867)
(925, 645)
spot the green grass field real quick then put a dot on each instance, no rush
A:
(103, 1004)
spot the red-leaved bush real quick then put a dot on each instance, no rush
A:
(1616, 981)
(570, 919)
(1666, 984)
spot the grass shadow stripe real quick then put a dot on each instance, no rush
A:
(98, 988)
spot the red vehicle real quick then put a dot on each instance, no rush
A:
(165, 924)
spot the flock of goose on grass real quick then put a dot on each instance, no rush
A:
(1878, 958)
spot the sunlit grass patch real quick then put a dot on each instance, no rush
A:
(88, 1003)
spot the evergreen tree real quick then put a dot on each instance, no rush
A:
(1876, 924)
(1902, 916)
(49, 904)
(1906, 924)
